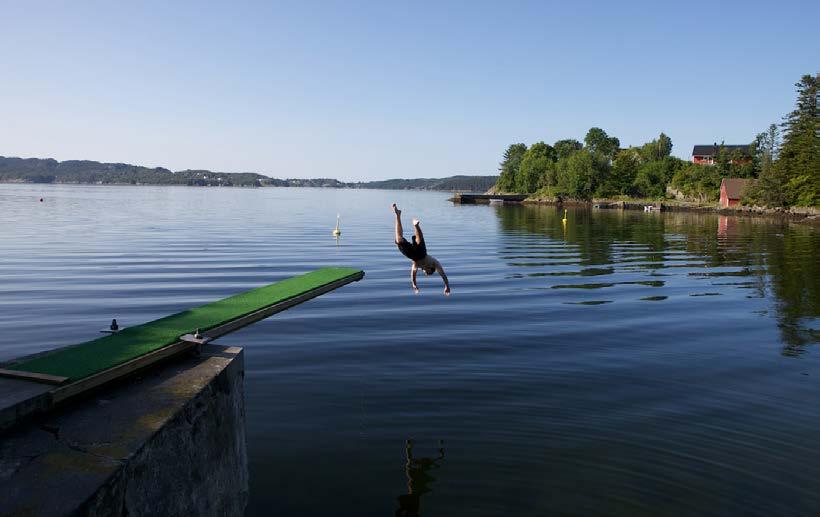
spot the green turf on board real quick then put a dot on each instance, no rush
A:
(77, 362)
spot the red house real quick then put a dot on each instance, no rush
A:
(707, 154)
(731, 190)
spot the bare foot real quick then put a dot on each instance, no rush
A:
(395, 209)
(416, 222)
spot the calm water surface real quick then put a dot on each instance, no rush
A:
(628, 364)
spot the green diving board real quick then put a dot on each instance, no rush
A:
(100, 360)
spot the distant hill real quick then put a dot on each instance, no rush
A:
(37, 170)
(460, 183)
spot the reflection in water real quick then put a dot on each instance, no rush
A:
(648, 283)
(418, 480)
(776, 257)
(658, 403)
(727, 226)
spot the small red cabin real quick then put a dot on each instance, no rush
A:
(731, 190)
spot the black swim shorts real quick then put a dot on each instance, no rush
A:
(414, 251)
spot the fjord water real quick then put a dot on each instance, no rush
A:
(626, 363)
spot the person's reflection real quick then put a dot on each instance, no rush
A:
(418, 480)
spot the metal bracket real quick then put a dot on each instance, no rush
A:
(197, 339)
(113, 329)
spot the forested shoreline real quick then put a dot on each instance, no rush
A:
(38, 170)
(783, 163)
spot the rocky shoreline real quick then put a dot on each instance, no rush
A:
(803, 214)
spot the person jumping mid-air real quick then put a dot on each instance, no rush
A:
(417, 252)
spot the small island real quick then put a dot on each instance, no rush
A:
(779, 169)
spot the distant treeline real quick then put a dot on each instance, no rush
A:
(459, 183)
(36, 170)
(784, 161)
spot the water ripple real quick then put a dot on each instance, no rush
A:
(555, 386)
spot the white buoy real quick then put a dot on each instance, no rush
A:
(337, 231)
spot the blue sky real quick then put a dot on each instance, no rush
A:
(358, 90)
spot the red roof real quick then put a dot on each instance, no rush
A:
(734, 187)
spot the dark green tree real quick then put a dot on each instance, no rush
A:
(767, 145)
(664, 145)
(602, 167)
(734, 163)
(769, 189)
(697, 182)
(534, 168)
(624, 170)
(649, 180)
(564, 148)
(509, 167)
(598, 142)
(657, 149)
(576, 175)
(653, 176)
(799, 161)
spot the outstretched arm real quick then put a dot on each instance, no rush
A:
(413, 270)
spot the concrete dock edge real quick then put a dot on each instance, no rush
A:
(168, 442)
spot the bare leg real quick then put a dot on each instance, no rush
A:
(399, 232)
(417, 230)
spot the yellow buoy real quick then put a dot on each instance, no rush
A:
(564, 220)
(337, 231)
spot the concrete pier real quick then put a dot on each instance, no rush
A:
(170, 441)
(487, 198)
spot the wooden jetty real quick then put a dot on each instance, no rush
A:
(35, 384)
(488, 198)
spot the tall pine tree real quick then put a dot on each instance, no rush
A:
(770, 187)
(799, 163)
(508, 178)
